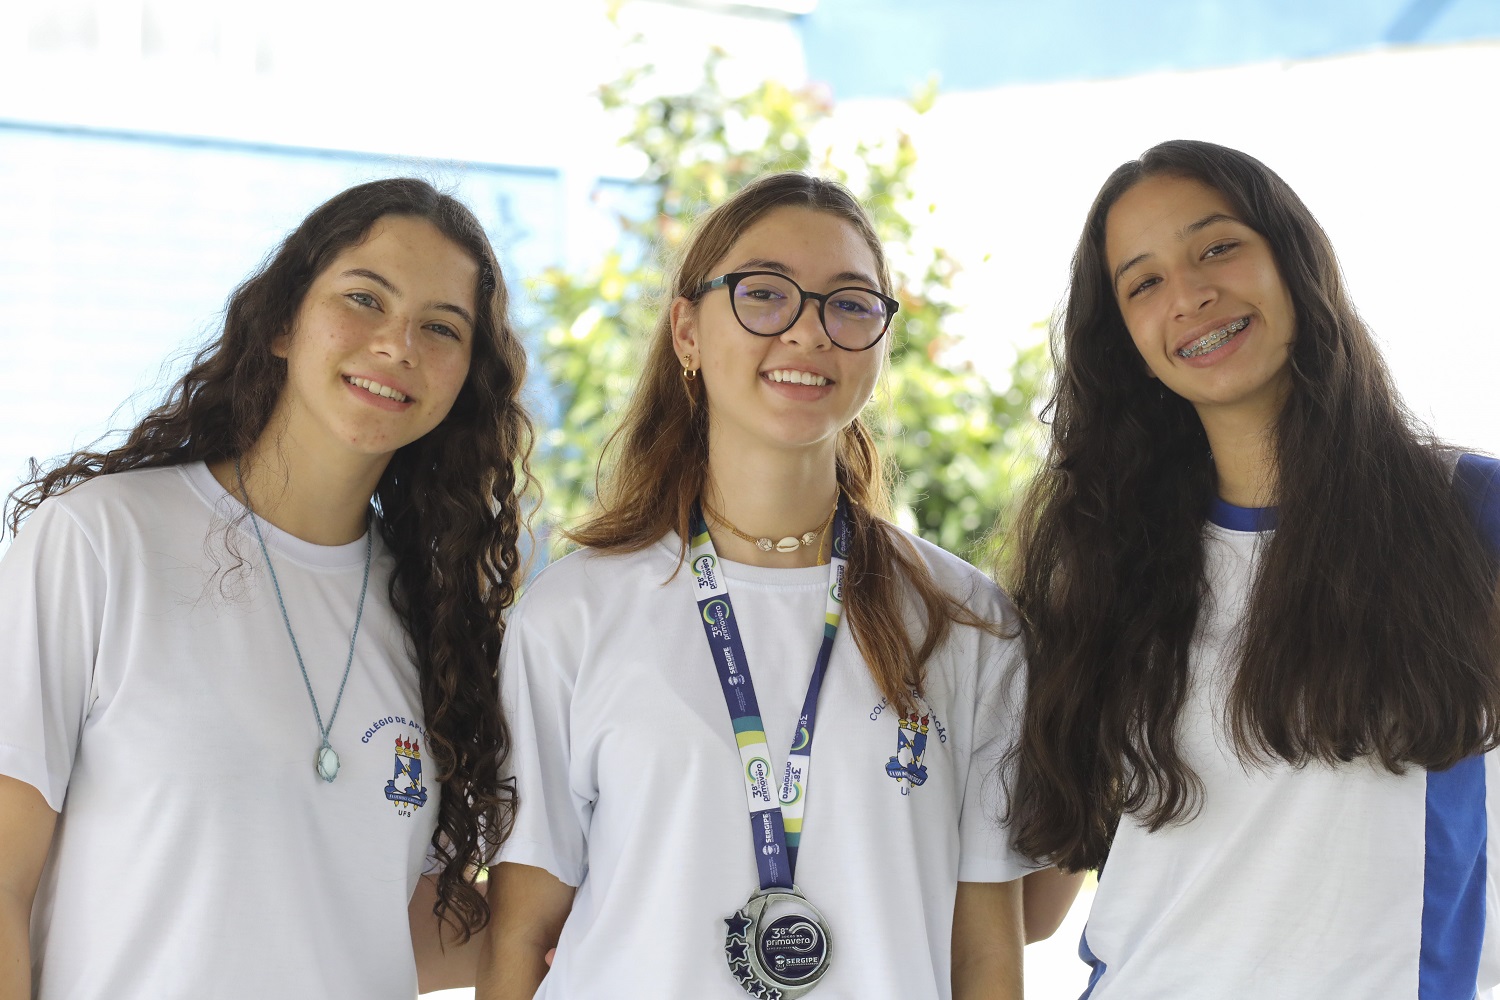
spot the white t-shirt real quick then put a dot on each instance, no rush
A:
(628, 776)
(1313, 883)
(149, 691)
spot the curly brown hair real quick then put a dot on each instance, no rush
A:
(449, 505)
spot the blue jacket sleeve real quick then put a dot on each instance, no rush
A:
(1477, 479)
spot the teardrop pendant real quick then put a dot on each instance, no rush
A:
(328, 763)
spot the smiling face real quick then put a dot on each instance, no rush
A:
(796, 390)
(1202, 297)
(380, 346)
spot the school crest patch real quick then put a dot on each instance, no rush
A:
(913, 732)
(906, 764)
(405, 789)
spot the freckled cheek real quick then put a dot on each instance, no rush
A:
(337, 335)
(453, 380)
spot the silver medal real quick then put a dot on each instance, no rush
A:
(777, 945)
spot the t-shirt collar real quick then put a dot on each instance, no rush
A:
(1227, 515)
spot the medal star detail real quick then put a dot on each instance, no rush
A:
(736, 952)
(738, 924)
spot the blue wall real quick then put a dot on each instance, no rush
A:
(118, 251)
(887, 48)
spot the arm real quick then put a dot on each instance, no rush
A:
(1047, 895)
(529, 906)
(442, 963)
(987, 941)
(26, 824)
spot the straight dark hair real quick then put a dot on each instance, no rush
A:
(449, 505)
(1373, 627)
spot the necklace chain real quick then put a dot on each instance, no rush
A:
(791, 543)
(326, 770)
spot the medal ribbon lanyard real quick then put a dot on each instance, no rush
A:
(775, 817)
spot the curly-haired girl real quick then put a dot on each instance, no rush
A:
(248, 657)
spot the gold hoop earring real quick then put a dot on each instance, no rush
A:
(688, 374)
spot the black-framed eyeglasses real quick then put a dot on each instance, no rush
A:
(768, 304)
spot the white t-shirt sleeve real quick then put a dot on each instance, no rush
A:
(537, 677)
(52, 597)
(985, 850)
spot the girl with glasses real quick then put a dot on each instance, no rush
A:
(756, 724)
(247, 657)
(1261, 617)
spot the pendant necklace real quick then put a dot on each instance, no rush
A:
(326, 760)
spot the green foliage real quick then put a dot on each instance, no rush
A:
(964, 447)
(957, 439)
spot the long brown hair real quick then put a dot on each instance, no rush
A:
(449, 506)
(1373, 628)
(655, 465)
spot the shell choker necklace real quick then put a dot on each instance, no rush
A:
(791, 543)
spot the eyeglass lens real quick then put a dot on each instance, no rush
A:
(767, 304)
